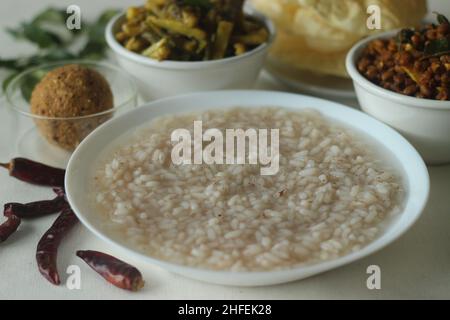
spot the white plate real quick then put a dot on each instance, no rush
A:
(326, 86)
(86, 156)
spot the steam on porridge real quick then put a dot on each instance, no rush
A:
(332, 194)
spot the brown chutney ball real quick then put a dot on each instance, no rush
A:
(69, 92)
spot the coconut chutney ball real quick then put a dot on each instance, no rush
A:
(64, 95)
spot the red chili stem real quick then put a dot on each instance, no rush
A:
(7, 166)
(60, 192)
(35, 172)
(35, 209)
(115, 271)
(9, 227)
(47, 248)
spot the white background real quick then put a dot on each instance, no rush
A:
(416, 266)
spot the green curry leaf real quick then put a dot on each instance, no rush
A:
(197, 3)
(10, 64)
(43, 29)
(95, 47)
(53, 47)
(30, 82)
(441, 18)
(8, 80)
(404, 36)
(50, 15)
(438, 46)
(37, 35)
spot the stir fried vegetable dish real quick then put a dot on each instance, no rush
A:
(190, 30)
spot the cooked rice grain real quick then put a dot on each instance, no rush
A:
(331, 196)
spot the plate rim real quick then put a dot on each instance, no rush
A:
(319, 91)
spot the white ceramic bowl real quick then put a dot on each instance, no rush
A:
(159, 79)
(424, 122)
(79, 173)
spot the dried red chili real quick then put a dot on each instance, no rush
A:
(115, 271)
(35, 172)
(35, 209)
(9, 227)
(47, 248)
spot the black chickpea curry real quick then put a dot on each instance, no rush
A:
(190, 30)
(416, 63)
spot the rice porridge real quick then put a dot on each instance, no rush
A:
(332, 194)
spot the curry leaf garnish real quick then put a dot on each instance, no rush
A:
(404, 36)
(441, 18)
(8, 80)
(438, 46)
(49, 33)
(197, 3)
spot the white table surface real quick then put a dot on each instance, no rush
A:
(415, 266)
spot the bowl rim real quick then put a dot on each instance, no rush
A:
(351, 60)
(188, 65)
(10, 89)
(419, 202)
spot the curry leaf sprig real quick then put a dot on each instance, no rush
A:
(44, 30)
(54, 42)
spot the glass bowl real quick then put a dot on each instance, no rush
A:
(52, 139)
